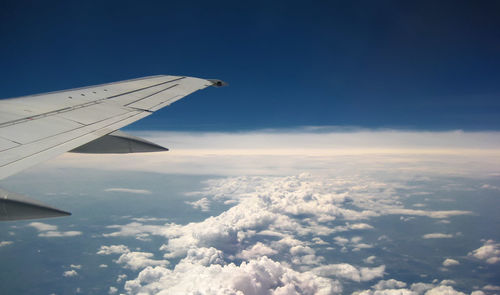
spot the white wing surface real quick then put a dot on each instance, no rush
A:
(39, 127)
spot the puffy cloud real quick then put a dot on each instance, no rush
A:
(75, 266)
(369, 259)
(437, 236)
(131, 260)
(448, 282)
(202, 204)
(272, 203)
(137, 229)
(257, 250)
(394, 287)
(204, 256)
(491, 288)
(5, 243)
(50, 231)
(489, 252)
(112, 290)
(258, 276)
(347, 271)
(340, 240)
(121, 278)
(304, 255)
(129, 190)
(348, 227)
(450, 262)
(370, 273)
(103, 265)
(137, 260)
(270, 217)
(420, 288)
(113, 249)
(70, 273)
(319, 241)
(443, 290)
(354, 243)
(389, 284)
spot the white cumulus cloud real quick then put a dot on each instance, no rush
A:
(370, 259)
(272, 221)
(112, 290)
(443, 290)
(137, 260)
(113, 249)
(489, 252)
(257, 250)
(389, 284)
(257, 277)
(202, 204)
(347, 271)
(450, 262)
(70, 273)
(395, 287)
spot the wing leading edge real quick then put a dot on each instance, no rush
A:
(39, 127)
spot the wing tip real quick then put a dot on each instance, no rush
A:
(217, 83)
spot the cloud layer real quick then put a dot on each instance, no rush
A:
(279, 221)
(265, 243)
(289, 152)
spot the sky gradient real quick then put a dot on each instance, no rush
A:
(421, 65)
(354, 152)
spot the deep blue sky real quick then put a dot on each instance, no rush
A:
(429, 65)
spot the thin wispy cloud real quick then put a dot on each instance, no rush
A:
(437, 236)
(128, 190)
(5, 243)
(51, 231)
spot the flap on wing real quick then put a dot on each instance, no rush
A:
(17, 207)
(119, 142)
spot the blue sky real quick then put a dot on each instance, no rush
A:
(425, 65)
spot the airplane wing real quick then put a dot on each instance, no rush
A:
(39, 127)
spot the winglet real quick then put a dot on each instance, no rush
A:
(17, 207)
(217, 82)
